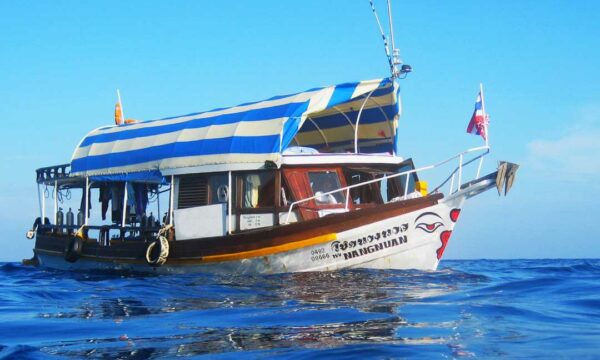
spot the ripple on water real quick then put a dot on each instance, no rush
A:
(518, 308)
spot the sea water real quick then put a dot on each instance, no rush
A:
(515, 308)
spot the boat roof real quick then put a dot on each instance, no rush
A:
(347, 158)
(245, 136)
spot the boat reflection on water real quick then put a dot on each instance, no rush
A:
(217, 314)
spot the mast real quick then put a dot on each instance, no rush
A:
(485, 128)
(395, 61)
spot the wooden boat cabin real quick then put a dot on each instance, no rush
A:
(305, 187)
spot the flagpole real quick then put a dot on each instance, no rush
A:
(485, 128)
(485, 118)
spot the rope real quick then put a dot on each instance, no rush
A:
(164, 229)
(164, 247)
(66, 195)
(164, 251)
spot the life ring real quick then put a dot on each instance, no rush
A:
(73, 249)
(158, 256)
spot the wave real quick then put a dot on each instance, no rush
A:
(484, 308)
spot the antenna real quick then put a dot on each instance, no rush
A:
(393, 58)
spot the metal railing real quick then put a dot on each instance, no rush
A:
(458, 169)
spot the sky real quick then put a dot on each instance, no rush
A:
(62, 62)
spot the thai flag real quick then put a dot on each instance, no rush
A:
(479, 120)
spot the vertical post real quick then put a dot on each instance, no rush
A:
(278, 192)
(406, 186)
(394, 51)
(158, 203)
(40, 203)
(485, 127)
(460, 162)
(347, 198)
(44, 206)
(87, 200)
(389, 4)
(124, 206)
(479, 167)
(55, 202)
(171, 196)
(229, 202)
(384, 177)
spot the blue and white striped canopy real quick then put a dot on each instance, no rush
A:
(246, 135)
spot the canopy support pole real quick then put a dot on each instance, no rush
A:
(55, 202)
(124, 206)
(40, 204)
(387, 119)
(320, 131)
(158, 204)
(171, 196)
(229, 203)
(358, 120)
(344, 115)
(44, 206)
(87, 199)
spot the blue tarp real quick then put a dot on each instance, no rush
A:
(252, 133)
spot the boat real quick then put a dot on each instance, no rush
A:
(310, 181)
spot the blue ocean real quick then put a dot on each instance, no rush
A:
(468, 309)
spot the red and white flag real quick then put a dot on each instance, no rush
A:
(479, 120)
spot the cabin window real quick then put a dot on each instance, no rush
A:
(258, 189)
(411, 178)
(397, 185)
(193, 191)
(322, 182)
(202, 189)
(363, 194)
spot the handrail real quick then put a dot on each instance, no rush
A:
(404, 173)
(453, 173)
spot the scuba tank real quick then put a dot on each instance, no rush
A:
(70, 218)
(151, 220)
(70, 221)
(59, 217)
(80, 219)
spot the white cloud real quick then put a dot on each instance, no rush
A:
(576, 154)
